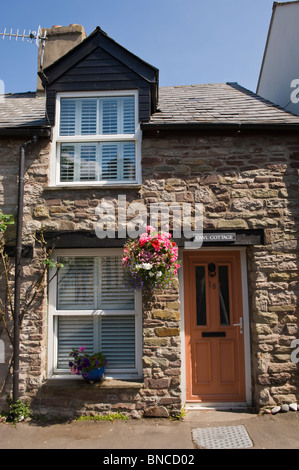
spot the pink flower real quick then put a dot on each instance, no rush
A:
(144, 238)
(156, 244)
(166, 235)
(82, 348)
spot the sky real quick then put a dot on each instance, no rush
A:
(189, 41)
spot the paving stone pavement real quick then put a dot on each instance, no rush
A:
(279, 431)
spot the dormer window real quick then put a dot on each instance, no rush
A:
(98, 139)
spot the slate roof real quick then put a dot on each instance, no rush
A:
(207, 104)
(22, 111)
(217, 103)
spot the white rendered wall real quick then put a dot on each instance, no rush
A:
(281, 59)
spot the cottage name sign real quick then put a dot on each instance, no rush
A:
(215, 237)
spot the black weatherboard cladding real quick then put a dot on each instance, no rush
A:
(99, 64)
(100, 72)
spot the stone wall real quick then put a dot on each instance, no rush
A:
(162, 355)
(157, 395)
(244, 181)
(73, 210)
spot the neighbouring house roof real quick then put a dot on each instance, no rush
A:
(221, 104)
(207, 105)
(23, 113)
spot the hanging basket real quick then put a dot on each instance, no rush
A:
(150, 262)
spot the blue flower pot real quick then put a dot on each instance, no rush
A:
(94, 375)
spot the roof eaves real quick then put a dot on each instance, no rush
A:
(40, 131)
(236, 126)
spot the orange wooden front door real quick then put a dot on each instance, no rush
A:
(215, 363)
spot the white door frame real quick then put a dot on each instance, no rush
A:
(194, 406)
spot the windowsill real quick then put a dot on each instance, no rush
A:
(68, 396)
(78, 383)
(92, 186)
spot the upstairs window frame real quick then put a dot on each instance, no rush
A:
(93, 160)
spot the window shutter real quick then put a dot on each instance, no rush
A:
(68, 116)
(129, 161)
(118, 161)
(67, 162)
(118, 115)
(80, 116)
(118, 341)
(109, 116)
(88, 116)
(88, 162)
(89, 284)
(109, 161)
(116, 337)
(79, 162)
(76, 284)
(129, 115)
(74, 332)
(81, 287)
(99, 159)
(113, 293)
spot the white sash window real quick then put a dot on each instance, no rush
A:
(90, 306)
(98, 139)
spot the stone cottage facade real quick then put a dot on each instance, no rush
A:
(223, 335)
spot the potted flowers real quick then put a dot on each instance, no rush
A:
(150, 262)
(90, 366)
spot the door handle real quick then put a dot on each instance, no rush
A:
(240, 325)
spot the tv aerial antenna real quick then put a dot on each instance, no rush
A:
(32, 36)
(39, 37)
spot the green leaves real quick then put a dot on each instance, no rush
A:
(52, 264)
(5, 220)
(18, 411)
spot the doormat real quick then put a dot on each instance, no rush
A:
(226, 437)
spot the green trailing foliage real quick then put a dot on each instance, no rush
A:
(5, 220)
(18, 411)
